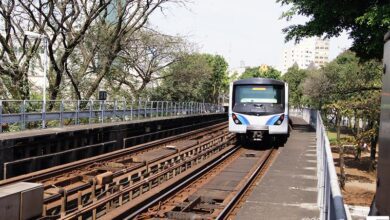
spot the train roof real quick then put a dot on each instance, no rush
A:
(258, 81)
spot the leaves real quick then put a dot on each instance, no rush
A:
(261, 72)
(366, 21)
(196, 77)
(295, 77)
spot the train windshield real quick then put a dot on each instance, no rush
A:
(258, 94)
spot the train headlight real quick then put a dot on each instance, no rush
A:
(280, 120)
(236, 120)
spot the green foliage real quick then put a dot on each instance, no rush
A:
(347, 87)
(218, 81)
(196, 77)
(344, 79)
(261, 72)
(366, 21)
(295, 77)
(345, 138)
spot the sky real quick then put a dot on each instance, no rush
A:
(245, 31)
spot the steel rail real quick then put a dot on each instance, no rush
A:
(232, 203)
(185, 182)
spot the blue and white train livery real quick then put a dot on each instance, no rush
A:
(258, 107)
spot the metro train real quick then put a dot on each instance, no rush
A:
(258, 109)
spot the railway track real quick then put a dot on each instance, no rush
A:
(201, 174)
(215, 192)
(72, 189)
(42, 175)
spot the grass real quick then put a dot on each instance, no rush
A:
(333, 137)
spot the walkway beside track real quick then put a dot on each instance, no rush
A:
(289, 188)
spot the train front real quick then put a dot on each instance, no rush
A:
(258, 108)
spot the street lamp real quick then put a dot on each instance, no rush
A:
(45, 67)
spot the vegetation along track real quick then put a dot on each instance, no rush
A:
(216, 193)
(72, 187)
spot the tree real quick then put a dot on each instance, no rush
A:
(295, 77)
(262, 72)
(366, 21)
(347, 87)
(96, 30)
(218, 81)
(65, 24)
(143, 59)
(116, 31)
(185, 79)
(195, 77)
(16, 52)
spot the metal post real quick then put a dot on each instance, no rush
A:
(174, 108)
(44, 114)
(44, 84)
(157, 109)
(171, 109)
(23, 114)
(124, 110)
(77, 112)
(145, 107)
(131, 110)
(61, 113)
(151, 109)
(167, 108)
(45, 70)
(139, 104)
(115, 108)
(1, 116)
(162, 109)
(90, 102)
(102, 110)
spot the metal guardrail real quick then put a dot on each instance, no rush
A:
(330, 201)
(74, 112)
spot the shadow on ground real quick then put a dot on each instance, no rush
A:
(262, 145)
(303, 128)
(363, 164)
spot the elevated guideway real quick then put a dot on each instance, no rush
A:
(293, 181)
(95, 131)
(302, 182)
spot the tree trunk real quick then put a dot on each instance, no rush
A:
(54, 90)
(341, 151)
(374, 141)
(342, 166)
(338, 127)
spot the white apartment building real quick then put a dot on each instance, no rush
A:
(309, 52)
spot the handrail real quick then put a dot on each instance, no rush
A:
(332, 202)
(24, 114)
(329, 200)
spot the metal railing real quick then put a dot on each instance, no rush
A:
(330, 201)
(18, 115)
